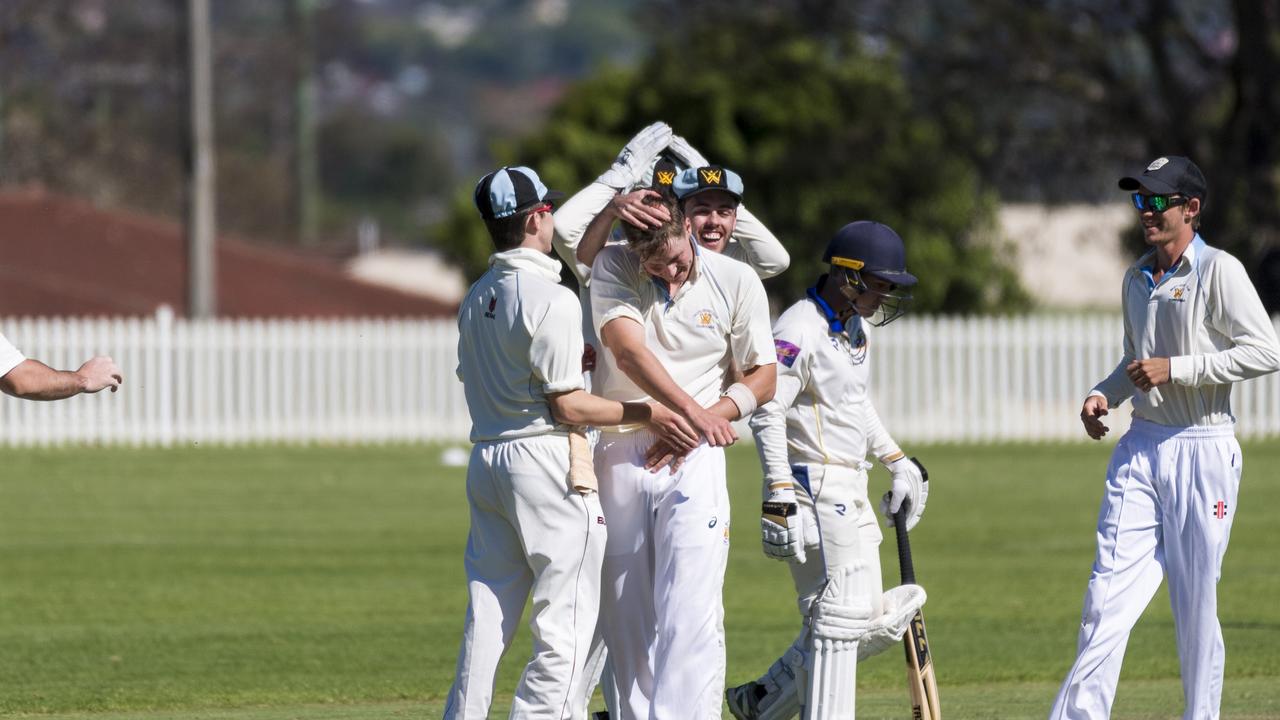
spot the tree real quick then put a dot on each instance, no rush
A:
(1059, 97)
(822, 131)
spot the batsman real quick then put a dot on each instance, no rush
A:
(813, 438)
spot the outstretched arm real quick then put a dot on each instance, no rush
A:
(33, 380)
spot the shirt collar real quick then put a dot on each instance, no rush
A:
(1145, 266)
(527, 259)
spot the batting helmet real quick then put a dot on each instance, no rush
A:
(867, 248)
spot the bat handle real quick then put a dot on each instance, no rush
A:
(904, 543)
(904, 546)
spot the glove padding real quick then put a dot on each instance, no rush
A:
(908, 486)
(637, 157)
(782, 527)
(900, 604)
(687, 153)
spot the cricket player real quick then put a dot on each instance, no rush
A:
(646, 167)
(813, 439)
(1193, 326)
(24, 377)
(535, 527)
(672, 318)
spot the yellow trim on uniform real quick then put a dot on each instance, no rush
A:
(817, 422)
(893, 457)
(847, 262)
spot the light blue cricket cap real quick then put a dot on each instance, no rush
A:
(509, 190)
(711, 177)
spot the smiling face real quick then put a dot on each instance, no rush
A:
(711, 217)
(1171, 227)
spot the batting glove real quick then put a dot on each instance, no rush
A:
(687, 153)
(637, 157)
(908, 486)
(781, 527)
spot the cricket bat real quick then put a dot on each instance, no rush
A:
(921, 682)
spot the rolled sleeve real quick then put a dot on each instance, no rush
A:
(555, 352)
(613, 292)
(10, 356)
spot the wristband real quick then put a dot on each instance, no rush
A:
(743, 397)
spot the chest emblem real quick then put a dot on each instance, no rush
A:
(1178, 291)
(704, 319)
(787, 353)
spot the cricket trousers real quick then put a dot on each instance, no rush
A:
(662, 610)
(530, 534)
(1167, 510)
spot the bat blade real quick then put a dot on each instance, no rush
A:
(921, 681)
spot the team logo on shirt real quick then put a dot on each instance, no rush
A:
(600, 520)
(787, 353)
(704, 318)
(1177, 292)
(493, 302)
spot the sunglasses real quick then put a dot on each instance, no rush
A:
(1157, 203)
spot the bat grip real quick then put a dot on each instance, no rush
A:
(904, 546)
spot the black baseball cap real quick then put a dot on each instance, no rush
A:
(873, 248)
(665, 173)
(1168, 175)
(510, 190)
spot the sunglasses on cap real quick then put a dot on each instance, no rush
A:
(1157, 203)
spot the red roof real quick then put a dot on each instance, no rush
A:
(63, 256)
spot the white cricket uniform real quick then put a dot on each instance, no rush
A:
(751, 243)
(669, 532)
(816, 433)
(10, 356)
(530, 532)
(1171, 488)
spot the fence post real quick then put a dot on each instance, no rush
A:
(164, 375)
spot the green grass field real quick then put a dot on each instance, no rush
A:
(274, 583)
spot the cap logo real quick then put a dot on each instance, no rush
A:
(666, 178)
(1157, 164)
(710, 176)
(847, 262)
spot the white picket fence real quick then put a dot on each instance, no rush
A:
(355, 381)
